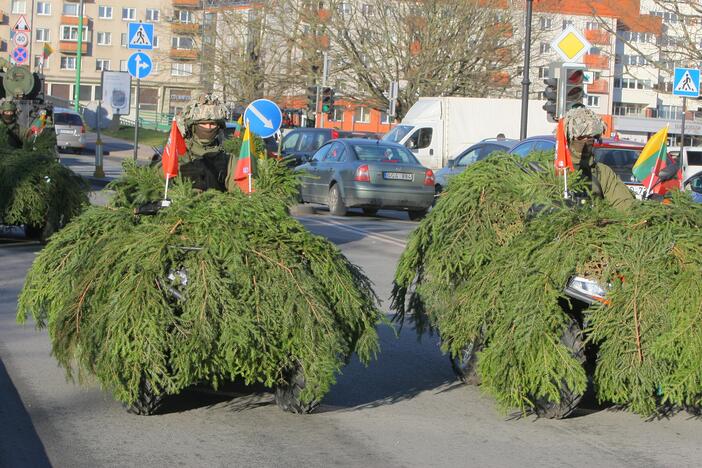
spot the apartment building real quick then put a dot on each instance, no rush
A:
(176, 56)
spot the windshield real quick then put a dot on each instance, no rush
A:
(67, 119)
(620, 160)
(398, 133)
(381, 153)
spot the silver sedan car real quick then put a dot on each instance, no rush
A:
(367, 174)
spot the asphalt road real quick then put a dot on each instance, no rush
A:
(404, 409)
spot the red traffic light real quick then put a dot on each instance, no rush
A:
(575, 77)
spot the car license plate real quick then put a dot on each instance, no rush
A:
(638, 190)
(66, 132)
(398, 176)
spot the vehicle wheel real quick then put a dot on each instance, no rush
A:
(287, 395)
(148, 402)
(573, 339)
(416, 215)
(336, 203)
(370, 211)
(40, 233)
(466, 363)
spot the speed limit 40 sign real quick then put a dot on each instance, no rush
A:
(21, 38)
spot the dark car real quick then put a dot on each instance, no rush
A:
(271, 142)
(300, 144)
(471, 155)
(619, 155)
(368, 174)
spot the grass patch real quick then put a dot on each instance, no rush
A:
(146, 136)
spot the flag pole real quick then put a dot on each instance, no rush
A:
(165, 194)
(650, 181)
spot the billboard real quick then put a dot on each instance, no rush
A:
(116, 92)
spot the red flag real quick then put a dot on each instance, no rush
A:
(173, 150)
(245, 165)
(563, 158)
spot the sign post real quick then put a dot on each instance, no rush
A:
(686, 83)
(141, 36)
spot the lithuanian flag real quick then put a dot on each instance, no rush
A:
(654, 154)
(245, 165)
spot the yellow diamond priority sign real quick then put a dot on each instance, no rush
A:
(570, 45)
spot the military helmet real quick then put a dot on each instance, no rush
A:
(205, 108)
(8, 105)
(582, 122)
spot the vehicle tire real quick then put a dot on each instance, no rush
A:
(416, 215)
(370, 211)
(466, 363)
(337, 207)
(40, 233)
(287, 395)
(573, 339)
(148, 402)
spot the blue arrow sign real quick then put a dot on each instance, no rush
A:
(141, 36)
(263, 117)
(686, 82)
(139, 65)
(20, 55)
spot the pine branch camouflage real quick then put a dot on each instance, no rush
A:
(478, 267)
(263, 294)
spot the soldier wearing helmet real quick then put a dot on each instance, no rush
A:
(205, 162)
(582, 127)
(9, 128)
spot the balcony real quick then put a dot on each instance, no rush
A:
(600, 86)
(185, 28)
(73, 20)
(596, 62)
(183, 54)
(598, 36)
(187, 3)
(71, 47)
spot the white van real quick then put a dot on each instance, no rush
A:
(691, 160)
(70, 129)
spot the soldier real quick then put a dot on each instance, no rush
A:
(205, 162)
(9, 128)
(582, 127)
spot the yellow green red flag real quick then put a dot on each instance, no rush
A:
(655, 149)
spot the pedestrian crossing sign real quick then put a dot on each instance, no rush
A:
(686, 82)
(141, 36)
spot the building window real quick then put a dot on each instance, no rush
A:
(184, 16)
(344, 8)
(104, 38)
(367, 9)
(123, 65)
(104, 12)
(128, 14)
(361, 115)
(155, 42)
(123, 40)
(68, 63)
(41, 63)
(385, 118)
(593, 101)
(42, 35)
(545, 48)
(43, 8)
(631, 36)
(567, 23)
(544, 23)
(337, 114)
(70, 33)
(152, 14)
(182, 42)
(544, 72)
(19, 7)
(70, 9)
(592, 25)
(626, 59)
(102, 64)
(181, 69)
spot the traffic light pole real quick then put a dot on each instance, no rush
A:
(325, 72)
(525, 73)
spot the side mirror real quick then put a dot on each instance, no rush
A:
(451, 163)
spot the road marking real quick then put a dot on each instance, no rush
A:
(355, 230)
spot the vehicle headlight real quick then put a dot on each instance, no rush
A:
(586, 286)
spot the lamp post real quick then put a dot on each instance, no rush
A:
(525, 72)
(79, 57)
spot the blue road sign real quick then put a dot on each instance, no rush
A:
(686, 82)
(141, 36)
(263, 117)
(20, 55)
(139, 65)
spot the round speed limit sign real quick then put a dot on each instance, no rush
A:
(21, 39)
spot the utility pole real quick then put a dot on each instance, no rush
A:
(525, 73)
(31, 39)
(79, 58)
(325, 72)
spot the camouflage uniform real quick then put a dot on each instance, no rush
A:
(582, 126)
(205, 162)
(9, 128)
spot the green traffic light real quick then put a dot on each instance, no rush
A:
(325, 108)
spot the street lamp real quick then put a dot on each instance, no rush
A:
(79, 57)
(525, 72)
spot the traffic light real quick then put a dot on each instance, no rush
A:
(551, 95)
(312, 98)
(328, 100)
(573, 87)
